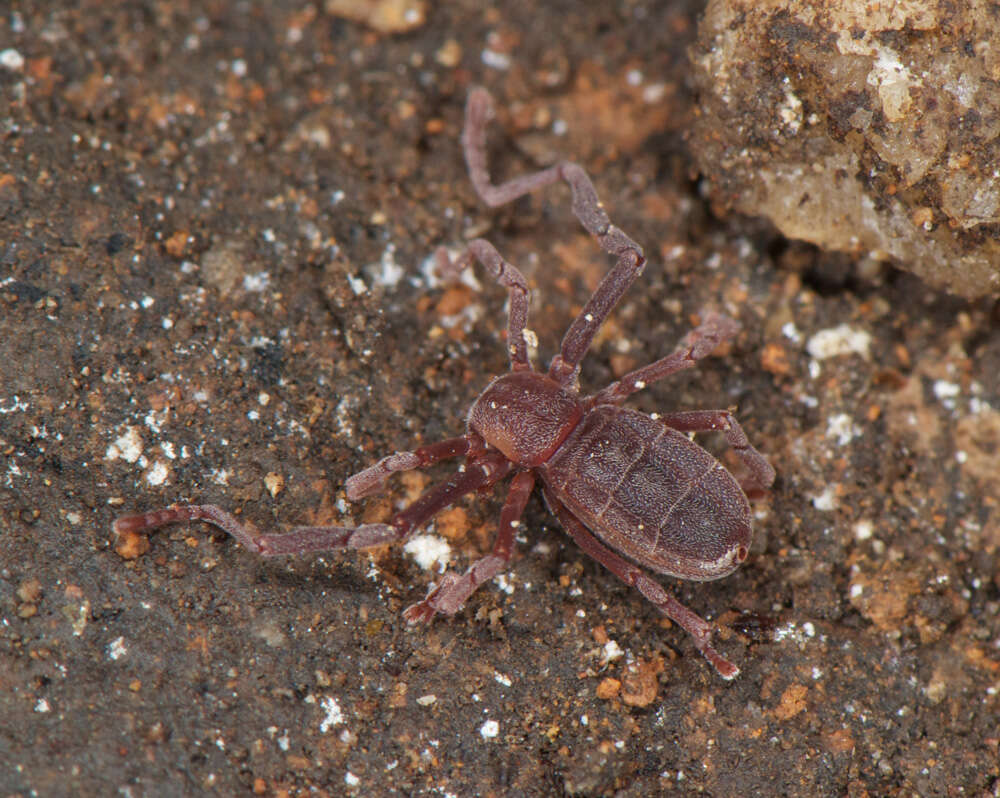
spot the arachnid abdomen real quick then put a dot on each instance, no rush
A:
(652, 494)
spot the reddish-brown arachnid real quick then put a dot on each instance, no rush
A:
(619, 481)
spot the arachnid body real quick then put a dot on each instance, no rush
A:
(620, 482)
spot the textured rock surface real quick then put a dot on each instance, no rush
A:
(870, 128)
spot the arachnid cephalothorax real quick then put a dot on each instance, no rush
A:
(620, 482)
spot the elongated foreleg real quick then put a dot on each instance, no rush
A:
(313, 539)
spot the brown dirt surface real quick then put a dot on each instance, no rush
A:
(216, 229)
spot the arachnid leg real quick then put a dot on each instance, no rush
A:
(313, 539)
(454, 591)
(509, 276)
(588, 209)
(714, 331)
(371, 479)
(697, 627)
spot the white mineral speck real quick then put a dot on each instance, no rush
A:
(387, 272)
(15, 404)
(429, 551)
(11, 59)
(496, 60)
(220, 476)
(893, 81)
(155, 420)
(256, 283)
(117, 648)
(839, 340)
(791, 111)
(489, 730)
(334, 716)
(827, 500)
(946, 390)
(612, 651)
(654, 93)
(842, 429)
(792, 631)
(158, 473)
(127, 446)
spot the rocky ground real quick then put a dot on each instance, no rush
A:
(216, 284)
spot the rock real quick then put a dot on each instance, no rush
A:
(867, 128)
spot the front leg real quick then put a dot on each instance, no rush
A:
(313, 539)
(587, 207)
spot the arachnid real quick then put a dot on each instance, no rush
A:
(620, 482)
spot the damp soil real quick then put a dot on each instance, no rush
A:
(217, 284)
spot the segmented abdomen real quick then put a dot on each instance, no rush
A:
(651, 493)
